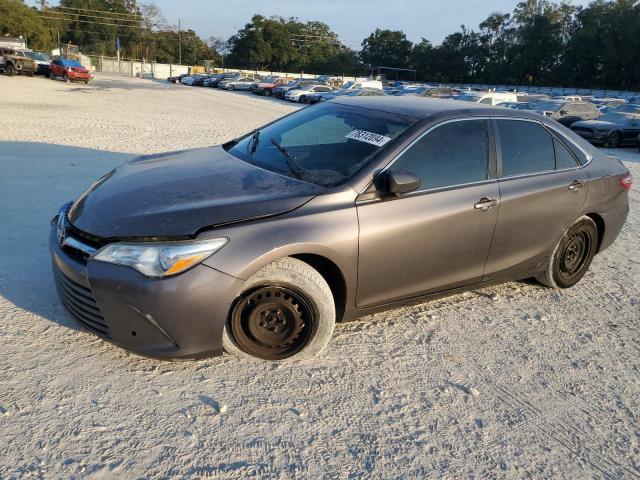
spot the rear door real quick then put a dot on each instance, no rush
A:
(437, 237)
(542, 188)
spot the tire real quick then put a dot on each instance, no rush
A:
(10, 71)
(304, 99)
(286, 294)
(572, 255)
(230, 88)
(267, 93)
(613, 141)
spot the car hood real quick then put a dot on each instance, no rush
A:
(176, 194)
(595, 124)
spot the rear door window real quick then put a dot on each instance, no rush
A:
(526, 148)
(453, 154)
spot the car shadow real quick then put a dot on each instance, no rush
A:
(36, 179)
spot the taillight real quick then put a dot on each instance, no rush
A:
(625, 182)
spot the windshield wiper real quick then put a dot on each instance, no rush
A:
(253, 144)
(292, 163)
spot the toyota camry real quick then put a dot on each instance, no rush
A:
(260, 245)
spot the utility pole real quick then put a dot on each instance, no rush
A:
(179, 44)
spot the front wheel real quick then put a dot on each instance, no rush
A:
(267, 93)
(304, 99)
(230, 88)
(613, 141)
(286, 312)
(572, 255)
(10, 71)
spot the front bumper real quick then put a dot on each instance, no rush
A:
(175, 317)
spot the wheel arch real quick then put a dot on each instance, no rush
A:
(333, 276)
(600, 225)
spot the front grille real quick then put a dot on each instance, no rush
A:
(81, 304)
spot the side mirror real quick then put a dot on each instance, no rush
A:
(400, 182)
(563, 112)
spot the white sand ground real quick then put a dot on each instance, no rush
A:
(516, 381)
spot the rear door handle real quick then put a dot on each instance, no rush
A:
(576, 185)
(485, 204)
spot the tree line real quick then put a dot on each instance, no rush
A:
(540, 42)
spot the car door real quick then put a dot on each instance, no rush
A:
(542, 189)
(437, 237)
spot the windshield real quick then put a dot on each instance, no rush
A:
(330, 142)
(39, 56)
(548, 106)
(469, 98)
(347, 85)
(627, 109)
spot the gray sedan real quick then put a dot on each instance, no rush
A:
(260, 245)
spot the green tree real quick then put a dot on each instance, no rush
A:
(386, 48)
(18, 20)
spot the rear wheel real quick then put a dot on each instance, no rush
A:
(10, 71)
(286, 312)
(572, 255)
(613, 141)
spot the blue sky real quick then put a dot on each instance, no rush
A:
(352, 20)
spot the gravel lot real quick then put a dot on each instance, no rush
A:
(516, 381)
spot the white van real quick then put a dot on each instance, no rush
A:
(366, 83)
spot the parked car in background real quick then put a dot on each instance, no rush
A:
(192, 79)
(69, 71)
(569, 98)
(199, 80)
(240, 83)
(302, 94)
(177, 78)
(362, 92)
(487, 98)
(364, 83)
(261, 245)
(43, 62)
(215, 81)
(225, 81)
(440, 92)
(567, 112)
(15, 61)
(281, 90)
(266, 86)
(618, 128)
(517, 105)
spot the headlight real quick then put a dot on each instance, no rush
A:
(160, 259)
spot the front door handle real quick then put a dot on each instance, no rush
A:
(485, 204)
(576, 185)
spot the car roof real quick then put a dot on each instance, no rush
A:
(418, 107)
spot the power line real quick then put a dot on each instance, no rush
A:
(64, 16)
(91, 22)
(100, 11)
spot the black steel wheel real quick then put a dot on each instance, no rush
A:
(285, 313)
(572, 255)
(304, 99)
(272, 322)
